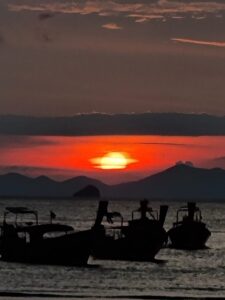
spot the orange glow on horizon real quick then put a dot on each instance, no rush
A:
(113, 161)
(131, 157)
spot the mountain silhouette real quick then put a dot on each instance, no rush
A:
(178, 182)
(17, 185)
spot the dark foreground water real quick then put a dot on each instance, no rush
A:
(184, 274)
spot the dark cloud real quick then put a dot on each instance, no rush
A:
(46, 37)
(217, 162)
(160, 144)
(23, 141)
(44, 16)
(220, 159)
(121, 124)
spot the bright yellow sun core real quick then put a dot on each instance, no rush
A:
(112, 160)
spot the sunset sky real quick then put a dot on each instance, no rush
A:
(61, 57)
(65, 157)
(75, 58)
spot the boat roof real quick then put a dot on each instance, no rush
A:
(20, 210)
(44, 228)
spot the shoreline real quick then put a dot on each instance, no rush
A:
(22, 295)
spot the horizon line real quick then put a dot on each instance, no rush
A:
(183, 164)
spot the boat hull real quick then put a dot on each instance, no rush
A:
(109, 248)
(69, 249)
(190, 236)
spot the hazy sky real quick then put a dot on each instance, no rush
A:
(62, 57)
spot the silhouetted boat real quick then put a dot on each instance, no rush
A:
(41, 243)
(140, 240)
(189, 232)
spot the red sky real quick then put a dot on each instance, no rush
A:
(62, 157)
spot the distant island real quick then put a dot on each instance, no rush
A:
(181, 181)
(89, 191)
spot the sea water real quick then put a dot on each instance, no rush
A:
(182, 274)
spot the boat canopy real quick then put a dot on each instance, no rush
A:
(20, 211)
(189, 212)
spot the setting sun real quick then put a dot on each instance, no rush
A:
(113, 160)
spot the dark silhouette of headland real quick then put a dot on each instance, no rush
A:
(90, 191)
(179, 182)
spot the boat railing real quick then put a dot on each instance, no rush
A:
(17, 212)
(152, 213)
(183, 215)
